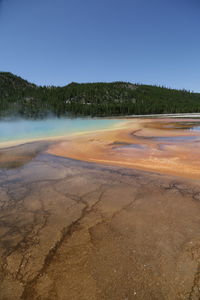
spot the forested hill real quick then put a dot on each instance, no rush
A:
(18, 97)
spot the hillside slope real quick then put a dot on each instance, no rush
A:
(21, 98)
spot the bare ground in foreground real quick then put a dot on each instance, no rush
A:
(77, 230)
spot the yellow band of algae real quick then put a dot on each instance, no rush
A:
(18, 142)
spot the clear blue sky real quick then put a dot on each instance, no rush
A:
(144, 41)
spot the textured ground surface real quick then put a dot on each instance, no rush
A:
(75, 230)
(161, 145)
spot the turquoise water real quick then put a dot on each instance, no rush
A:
(34, 129)
(195, 128)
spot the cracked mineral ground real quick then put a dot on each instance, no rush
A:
(73, 230)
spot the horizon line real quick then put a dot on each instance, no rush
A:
(115, 81)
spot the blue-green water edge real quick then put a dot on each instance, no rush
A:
(34, 129)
